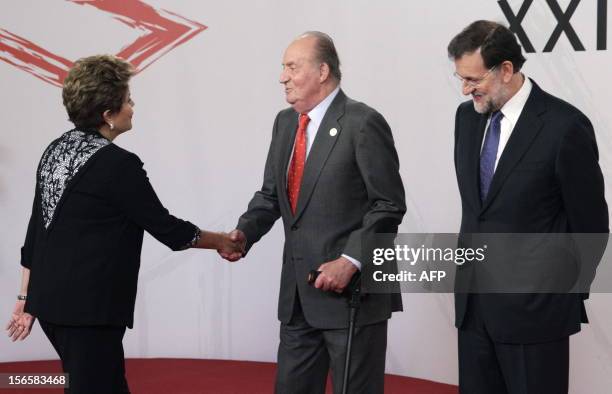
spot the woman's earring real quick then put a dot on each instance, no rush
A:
(111, 125)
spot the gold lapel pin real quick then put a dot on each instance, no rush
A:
(333, 132)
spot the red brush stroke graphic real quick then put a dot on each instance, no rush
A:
(162, 31)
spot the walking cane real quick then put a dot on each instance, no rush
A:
(353, 292)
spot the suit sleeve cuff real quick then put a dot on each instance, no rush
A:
(355, 262)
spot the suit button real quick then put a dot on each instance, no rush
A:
(294, 227)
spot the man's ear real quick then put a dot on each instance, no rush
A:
(323, 72)
(507, 69)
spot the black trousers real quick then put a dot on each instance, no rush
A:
(91, 356)
(489, 367)
(306, 354)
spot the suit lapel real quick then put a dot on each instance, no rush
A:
(526, 129)
(320, 150)
(285, 147)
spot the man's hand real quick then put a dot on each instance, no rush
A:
(20, 325)
(236, 248)
(335, 275)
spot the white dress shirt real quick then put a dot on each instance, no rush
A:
(316, 117)
(511, 112)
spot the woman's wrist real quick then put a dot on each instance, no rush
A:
(210, 240)
(218, 239)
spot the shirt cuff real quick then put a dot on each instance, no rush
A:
(355, 262)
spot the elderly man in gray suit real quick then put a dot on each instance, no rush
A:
(332, 174)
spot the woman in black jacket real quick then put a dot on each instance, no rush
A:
(81, 255)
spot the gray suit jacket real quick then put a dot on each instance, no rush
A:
(351, 188)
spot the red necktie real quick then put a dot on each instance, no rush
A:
(296, 167)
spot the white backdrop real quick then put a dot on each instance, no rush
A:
(202, 126)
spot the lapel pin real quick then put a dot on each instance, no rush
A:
(333, 132)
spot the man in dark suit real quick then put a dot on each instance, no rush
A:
(526, 162)
(332, 175)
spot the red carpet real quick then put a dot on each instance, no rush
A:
(180, 376)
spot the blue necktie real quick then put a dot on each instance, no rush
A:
(489, 154)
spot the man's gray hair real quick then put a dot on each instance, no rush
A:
(326, 52)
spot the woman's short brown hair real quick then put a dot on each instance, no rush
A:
(93, 85)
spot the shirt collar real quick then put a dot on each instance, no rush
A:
(317, 113)
(513, 107)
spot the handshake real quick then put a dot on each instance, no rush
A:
(231, 246)
(333, 275)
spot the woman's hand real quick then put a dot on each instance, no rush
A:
(232, 245)
(20, 325)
